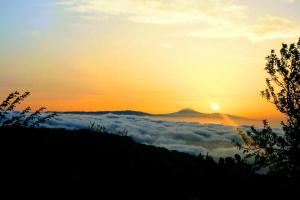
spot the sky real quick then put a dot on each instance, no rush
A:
(155, 56)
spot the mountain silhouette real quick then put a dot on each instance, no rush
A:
(187, 112)
(122, 112)
(183, 113)
(190, 115)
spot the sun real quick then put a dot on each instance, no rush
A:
(215, 106)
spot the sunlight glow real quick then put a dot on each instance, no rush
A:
(215, 106)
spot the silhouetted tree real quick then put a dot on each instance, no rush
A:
(11, 118)
(279, 153)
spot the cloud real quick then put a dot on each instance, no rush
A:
(266, 28)
(290, 1)
(159, 11)
(271, 27)
(167, 45)
(187, 137)
(218, 18)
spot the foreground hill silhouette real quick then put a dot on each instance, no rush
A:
(84, 163)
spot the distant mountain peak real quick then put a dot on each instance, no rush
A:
(187, 110)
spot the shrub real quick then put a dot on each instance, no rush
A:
(9, 117)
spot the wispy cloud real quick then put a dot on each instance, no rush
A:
(222, 18)
(266, 28)
(167, 45)
(272, 27)
(290, 1)
(160, 11)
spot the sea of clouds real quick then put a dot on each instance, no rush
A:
(189, 137)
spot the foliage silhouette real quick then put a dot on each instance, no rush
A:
(11, 118)
(280, 154)
(96, 128)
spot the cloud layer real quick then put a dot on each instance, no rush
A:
(187, 137)
(217, 18)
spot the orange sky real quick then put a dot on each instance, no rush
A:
(155, 57)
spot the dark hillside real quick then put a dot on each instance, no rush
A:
(89, 164)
